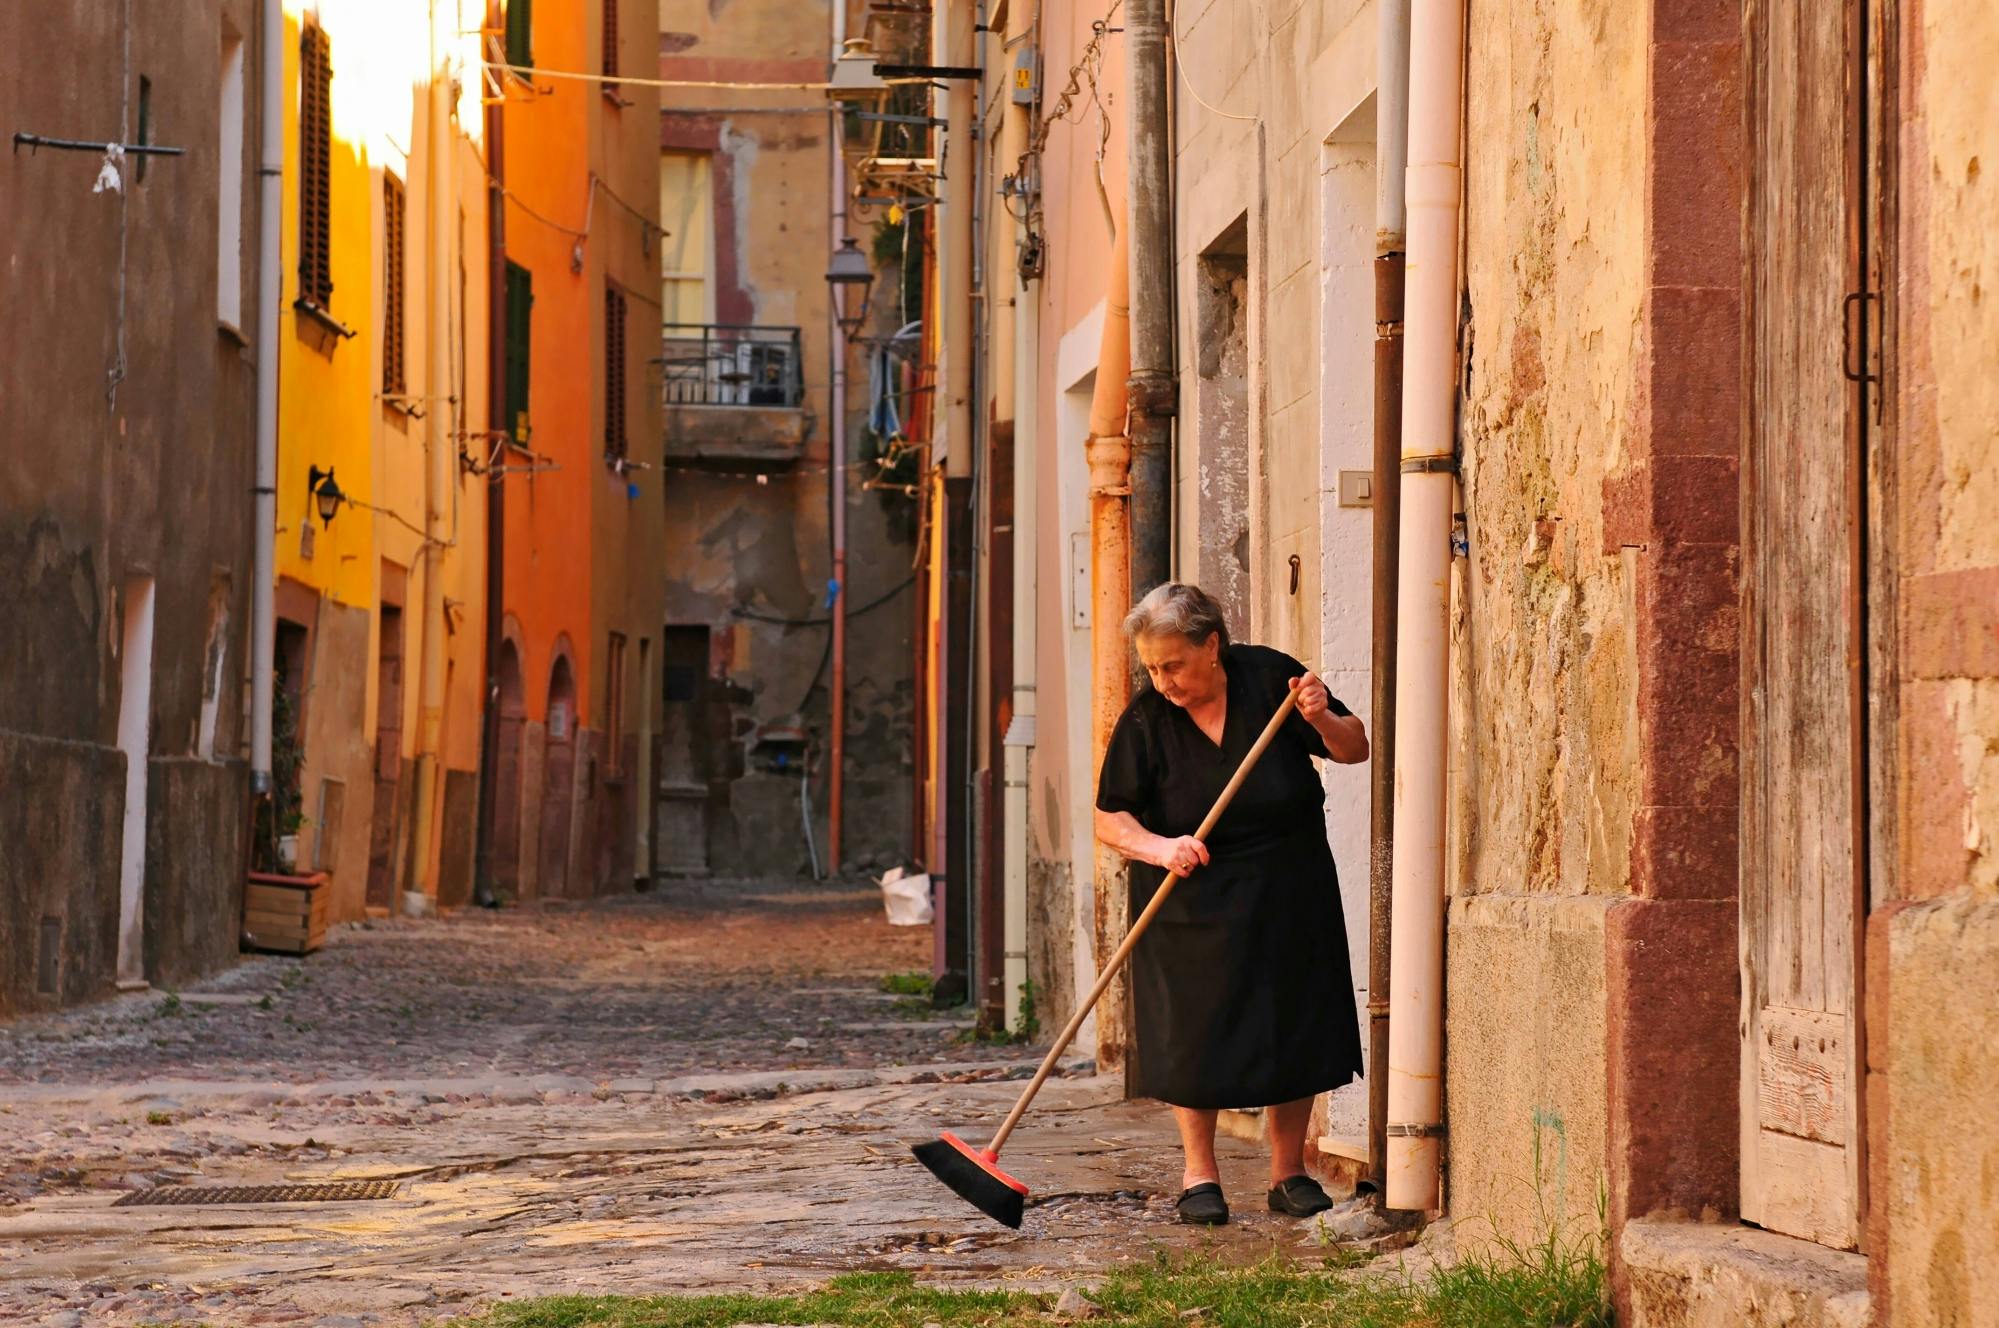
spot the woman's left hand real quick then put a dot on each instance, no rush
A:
(1313, 698)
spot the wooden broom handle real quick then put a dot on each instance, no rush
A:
(1144, 920)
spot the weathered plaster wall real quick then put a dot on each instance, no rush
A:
(126, 418)
(752, 561)
(59, 866)
(1545, 766)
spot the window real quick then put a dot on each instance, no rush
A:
(520, 33)
(520, 309)
(229, 187)
(615, 443)
(610, 43)
(686, 207)
(315, 146)
(394, 206)
(145, 126)
(614, 701)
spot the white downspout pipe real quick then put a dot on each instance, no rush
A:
(438, 479)
(270, 295)
(1429, 398)
(1020, 734)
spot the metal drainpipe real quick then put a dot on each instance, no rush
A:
(270, 299)
(1429, 400)
(1153, 391)
(1391, 220)
(496, 493)
(836, 481)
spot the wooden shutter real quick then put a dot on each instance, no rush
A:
(520, 325)
(315, 147)
(394, 206)
(1804, 742)
(610, 40)
(615, 442)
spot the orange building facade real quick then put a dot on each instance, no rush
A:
(577, 665)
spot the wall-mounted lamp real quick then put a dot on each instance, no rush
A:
(852, 281)
(326, 494)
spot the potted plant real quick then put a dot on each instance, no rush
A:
(283, 909)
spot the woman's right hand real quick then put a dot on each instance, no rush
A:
(1182, 855)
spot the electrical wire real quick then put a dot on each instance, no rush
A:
(528, 73)
(774, 620)
(1187, 83)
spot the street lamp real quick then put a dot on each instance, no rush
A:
(852, 280)
(326, 494)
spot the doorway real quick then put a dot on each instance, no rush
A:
(506, 774)
(1813, 289)
(680, 840)
(135, 710)
(385, 823)
(558, 786)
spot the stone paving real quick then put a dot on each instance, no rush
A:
(700, 1088)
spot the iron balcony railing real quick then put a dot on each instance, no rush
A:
(709, 364)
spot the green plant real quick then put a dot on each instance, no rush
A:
(159, 1118)
(282, 811)
(907, 984)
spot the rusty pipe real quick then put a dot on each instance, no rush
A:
(1108, 452)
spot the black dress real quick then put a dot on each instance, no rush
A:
(1242, 995)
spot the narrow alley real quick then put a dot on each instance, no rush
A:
(700, 1088)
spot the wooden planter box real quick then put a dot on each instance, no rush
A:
(285, 914)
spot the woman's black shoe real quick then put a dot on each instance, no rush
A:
(1300, 1196)
(1203, 1206)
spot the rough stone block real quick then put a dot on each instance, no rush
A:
(1524, 1090)
(1940, 1173)
(1672, 1052)
(1720, 1275)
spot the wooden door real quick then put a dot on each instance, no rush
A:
(680, 829)
(388, 759)
(1804, 738)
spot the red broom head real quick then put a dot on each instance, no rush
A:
(974, 1176)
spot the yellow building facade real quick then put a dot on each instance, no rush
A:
(383, 445)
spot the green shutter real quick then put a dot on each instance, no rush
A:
(520, 327)
(520, 25)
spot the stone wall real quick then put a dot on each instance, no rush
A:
(58, 864)
(1545, 774)
(197, 828)
(1931, 998)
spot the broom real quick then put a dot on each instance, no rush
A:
(974, 1174)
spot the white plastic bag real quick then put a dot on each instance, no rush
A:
(907, 898)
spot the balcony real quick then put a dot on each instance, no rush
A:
(734, 396)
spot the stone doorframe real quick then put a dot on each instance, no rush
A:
(1672, 513)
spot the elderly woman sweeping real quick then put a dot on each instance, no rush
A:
(1241, 991)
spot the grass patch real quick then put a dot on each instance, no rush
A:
(1555, 1284)
(907, 984)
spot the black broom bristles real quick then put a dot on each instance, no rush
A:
(975, 1180)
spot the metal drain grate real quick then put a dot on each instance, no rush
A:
(345, 1191)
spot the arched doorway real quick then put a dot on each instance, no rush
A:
(506, 854)
(558, 779)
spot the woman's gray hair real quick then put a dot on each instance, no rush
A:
(1180, 610)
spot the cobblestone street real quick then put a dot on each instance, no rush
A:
(697, 1089)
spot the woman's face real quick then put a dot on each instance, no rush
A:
(1184, 672)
